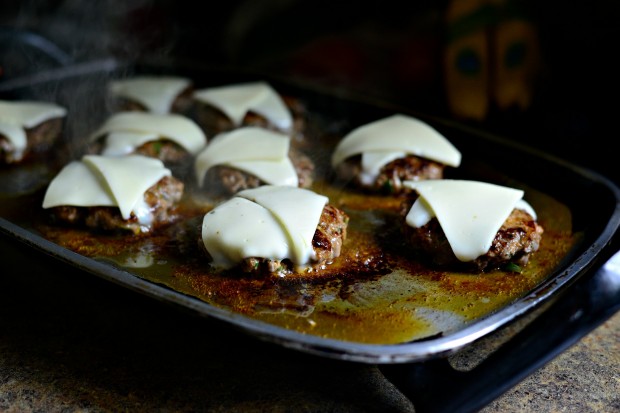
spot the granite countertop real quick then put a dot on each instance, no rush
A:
(71, 342)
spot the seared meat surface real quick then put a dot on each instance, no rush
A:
(39, 139)
(392, 175)
(161, 199)
(516, 240)
(228, 180)
(327, 242)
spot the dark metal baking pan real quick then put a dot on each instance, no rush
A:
(591, 199)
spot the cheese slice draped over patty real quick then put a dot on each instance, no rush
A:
(106, 181)
(396, 136)
(272, 222)
(235, 101)
(155, 93)
(15, 117)
(137, 128)
(257, 151)
(470, 212)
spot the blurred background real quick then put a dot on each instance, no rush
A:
(542, 73)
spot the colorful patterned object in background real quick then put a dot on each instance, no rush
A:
(491, 57)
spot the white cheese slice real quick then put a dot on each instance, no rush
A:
(239, 229)
(177, 128)
(470, 213)
(235, 101)
(77, 185)
(257, 151)
(156, 93)
(16, 136)
(298, 211)
(393, 135)
(20, 115)
(107, 181)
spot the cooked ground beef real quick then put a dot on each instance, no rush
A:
(181, 104)
(161, 198)
(39, 139)
(327, 243)
(165, 150)
(214, 121)
(227, 180)
(391, 177)
(516, 240)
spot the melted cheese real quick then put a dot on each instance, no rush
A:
(103, 181)
(384, 140)
(273, 222)
(470, 213)
(136, 125)
(17, 116)
(235, 101)
(156, 93)
(257, 151)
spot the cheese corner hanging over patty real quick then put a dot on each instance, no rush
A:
(16, 116)
(470, 212)
(156, 93)
(105, 181)
(128, 130)
(393, 137)
(257, 151)
(272, 222)
(235, 101)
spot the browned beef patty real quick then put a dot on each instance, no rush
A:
(214, 121)
(161, 199)
(327, 242)
(515, 241)
(227, 180)
(167, 151)
(181, 104)
(391, 177)
(39, 139)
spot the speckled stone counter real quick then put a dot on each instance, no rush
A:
(71, 342)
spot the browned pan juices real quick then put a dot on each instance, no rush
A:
(375, 292)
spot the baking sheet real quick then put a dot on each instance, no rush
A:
(382, 316)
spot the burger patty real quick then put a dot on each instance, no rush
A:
(214, 121)
(515, 241)
(327, 242)
(180, 104)
(161, 199)
(165, 150)
(391, 176)
(225, 179)
(38, 139)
